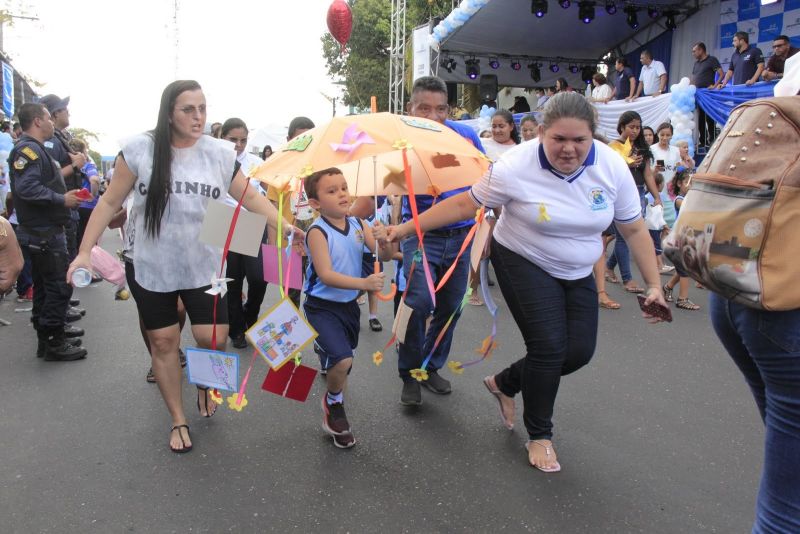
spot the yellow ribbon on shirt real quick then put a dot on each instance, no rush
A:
(543, 216)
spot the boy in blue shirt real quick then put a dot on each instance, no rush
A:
(334, 245)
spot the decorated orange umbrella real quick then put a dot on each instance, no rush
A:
(369, 150)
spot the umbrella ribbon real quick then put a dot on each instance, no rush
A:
(444, 330)
(488, 344)
(415, 215)
(464, 245)
(243, 386)
(280, 244)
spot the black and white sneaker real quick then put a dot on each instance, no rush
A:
(334, 422)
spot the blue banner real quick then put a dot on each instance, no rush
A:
(718, 104)
(8, 90)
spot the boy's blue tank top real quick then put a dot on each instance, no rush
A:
(345, 248)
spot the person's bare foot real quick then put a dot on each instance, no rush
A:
(205, 404)
(506, 402)
(542, 455)
(180, 440)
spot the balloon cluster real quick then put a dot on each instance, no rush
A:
(485, 118)
(681, 112)
(457, 18)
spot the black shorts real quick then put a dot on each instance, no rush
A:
(368, 264)
(160, 310)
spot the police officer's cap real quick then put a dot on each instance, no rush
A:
(53, 103)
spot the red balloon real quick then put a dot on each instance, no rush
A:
(340, 21)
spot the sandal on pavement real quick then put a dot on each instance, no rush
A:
(608, 303)
(491, 385)
(475, 300)
(611, 277)
(667, 293)
(185, 448)
(548, 450)
(686, 304)
(633, 288)
(206, 404)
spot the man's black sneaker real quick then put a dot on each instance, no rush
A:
(375, 325)
(72, 316)
(41, 348)
(334, 422)
(72, 331)
(74, 302)
(437, 384)
(412, 393)
(240, 342)
(81, 311)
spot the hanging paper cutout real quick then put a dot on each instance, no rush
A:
(247, 231)
(292, 381)
(280, 334)
(424, 124)
(479, 243)
(294, 266)
(352, 139)
(213, 369)
(298, 144)
(219, 286)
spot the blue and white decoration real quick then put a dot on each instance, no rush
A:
(457, 18)
(681, 112)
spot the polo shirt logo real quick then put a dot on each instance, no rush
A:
(597, 199)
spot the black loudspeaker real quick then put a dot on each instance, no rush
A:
(452, 93)
(488, 87)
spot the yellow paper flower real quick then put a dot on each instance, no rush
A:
(401, 144)
(455, 367)
(419, 374)
(306, 171)
(232, 402)
(377, 357)
(215, 395)
(543, 216)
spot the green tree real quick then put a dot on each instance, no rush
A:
(86, 136)
(363, 70)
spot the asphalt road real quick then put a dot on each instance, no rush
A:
(658, 434)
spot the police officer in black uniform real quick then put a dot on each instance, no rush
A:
(71, 163)
(43, 203)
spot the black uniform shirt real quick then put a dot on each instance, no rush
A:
(36, 184)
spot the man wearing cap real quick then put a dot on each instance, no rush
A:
(71, 163)
(43, 206)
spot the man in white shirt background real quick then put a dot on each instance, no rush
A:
(652, 78)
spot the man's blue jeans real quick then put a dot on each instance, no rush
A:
(765, 346)
(441, 248)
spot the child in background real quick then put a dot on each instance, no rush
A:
(334, 245)
(668, 207)
(396, 217)
(680, 185)
(367, 268)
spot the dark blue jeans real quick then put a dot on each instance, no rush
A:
(558, 322)
(621, 257)
(441, 248)
(766, 347)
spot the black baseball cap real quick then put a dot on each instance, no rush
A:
(53, 103)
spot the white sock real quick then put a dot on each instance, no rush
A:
(333, 398)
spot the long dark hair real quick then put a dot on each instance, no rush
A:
(639, 143)
(509, 118)
(161, 177)
(232, 124)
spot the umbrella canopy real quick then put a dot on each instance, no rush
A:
(368, 149)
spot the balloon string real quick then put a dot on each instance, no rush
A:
(225, 250)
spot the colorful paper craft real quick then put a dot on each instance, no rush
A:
(401, 321)
(247, 234)
(280, 334)
(479, 243)
(271, 275)
(213, 369)
(290, 381)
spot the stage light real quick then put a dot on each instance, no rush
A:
(586, 11)
(632, 18)
(587, 73)
(449, 64)
(473, 68)
(573, 69)
(494, 63)
(536, 74)
(553, 67)
(515, 65)
(539, 8)
(611, 7)
(670, 22)
(564, 3)
(653, 12)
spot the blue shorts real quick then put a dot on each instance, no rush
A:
(655, 235)
(338, 325)
(368, 265)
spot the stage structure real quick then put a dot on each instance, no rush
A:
(397, 55)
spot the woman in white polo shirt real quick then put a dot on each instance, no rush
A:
(558, 193)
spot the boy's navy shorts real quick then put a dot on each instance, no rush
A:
(337, 324)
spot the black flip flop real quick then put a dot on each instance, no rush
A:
(185, 447)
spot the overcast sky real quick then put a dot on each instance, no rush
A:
(257, 60)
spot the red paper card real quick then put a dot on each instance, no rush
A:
(84, 194)
(290, 381)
